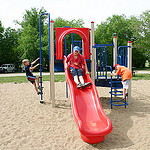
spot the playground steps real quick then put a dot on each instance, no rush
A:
(116, 92)
(105, 83)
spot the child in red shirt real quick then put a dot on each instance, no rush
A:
(76, 61)
(126, 75)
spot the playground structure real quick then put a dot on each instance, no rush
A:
(58, 63)
(96, 124)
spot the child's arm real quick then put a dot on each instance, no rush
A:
(115, 74)
(32, 68)
(86, 69)
(35, 61)
(66, 66)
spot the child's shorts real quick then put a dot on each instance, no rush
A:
(125, 84)
(31, 79)
(76, 72)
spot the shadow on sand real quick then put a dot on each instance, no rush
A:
(122, 122)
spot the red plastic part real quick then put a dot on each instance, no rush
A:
(115, 37)
(88, 113)
(62, 32)
(130, 42)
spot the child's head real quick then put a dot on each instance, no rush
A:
(76, 50)
(25, 62)
(116, 66)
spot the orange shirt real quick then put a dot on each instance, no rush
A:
(124, 72)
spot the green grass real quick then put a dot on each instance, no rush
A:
(60, 78)
(23, 79)
(146, 68)
(141, 77)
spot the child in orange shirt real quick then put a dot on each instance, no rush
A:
(126, 75)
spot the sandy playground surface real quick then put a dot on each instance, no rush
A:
(25, 124)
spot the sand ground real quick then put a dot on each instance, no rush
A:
(25, 124)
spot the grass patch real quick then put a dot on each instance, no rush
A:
(60, 78)
(23, 79)
(146, 68)
(141, 77)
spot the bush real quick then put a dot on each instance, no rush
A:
(138, 58)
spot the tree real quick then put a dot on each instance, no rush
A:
(117, 25)
(1, 42)
(144, 30)
(29, 38)
(126, 29)
(8, 45)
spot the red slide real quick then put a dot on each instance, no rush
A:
(88, 113)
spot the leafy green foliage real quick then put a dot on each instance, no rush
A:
(29, 38)
(16, 45)
(8, 46)
(126, 29)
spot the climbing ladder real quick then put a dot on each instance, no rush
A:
(116, 92)
(116, 86)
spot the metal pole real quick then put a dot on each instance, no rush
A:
(52, 84)
(130, 67)
(115, 50)
(93, 57)
(41, 101)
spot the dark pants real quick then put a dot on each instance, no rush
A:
(76, 72)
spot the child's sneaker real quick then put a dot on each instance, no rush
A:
(123, 100)
(79, 85)
(87, 84)
(40, 88)
(38, 93)
(84, 85)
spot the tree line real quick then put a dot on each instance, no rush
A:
(17, 44)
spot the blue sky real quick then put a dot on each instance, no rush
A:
(88, 10)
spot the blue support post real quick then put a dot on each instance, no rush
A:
(106, 62)
(126, 58)
(103, 60)
(72, 41)
(123, 58)
(100, 61)
(65, 45)
(66, 90)
(41, 50)
(97, 61)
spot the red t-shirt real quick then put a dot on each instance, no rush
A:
(75, 62)
(124, 72)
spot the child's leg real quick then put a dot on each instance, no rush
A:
(125, 88)
(80, 74)
(75, 75)
(81, 79)
(124, 93)
(37, 78)
(76, 79)
(35, 87)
